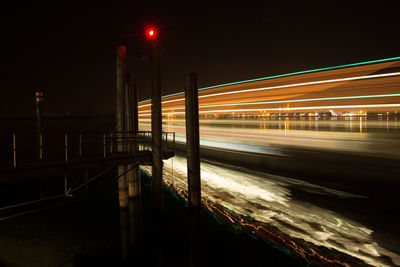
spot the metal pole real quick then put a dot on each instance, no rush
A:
(131, 106)
(14, 151)
(192, 140)
(66, 147)
(129, 122)
(128, 113)
(80, 145)
(104, 146)
(39, 122)
(40, 145)
(111, 144)
(135, 129)
(156, 124)
(135, 126)
(120, 126)
(65, 183)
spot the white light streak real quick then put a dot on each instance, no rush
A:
(285, 109)
(290, 85)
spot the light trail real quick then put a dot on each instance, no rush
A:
(274, 200)
(290, 85)
(304, 84)
(284, 109)
(292, 100)
(290, 74)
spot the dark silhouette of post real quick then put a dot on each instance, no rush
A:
(192, 141)
(120, 125)
(135, 111)
(132, 128)
(156, 124)
(135, 130)
(39, 134)
(39, 122)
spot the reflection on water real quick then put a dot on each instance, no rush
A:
(356, 135)
(268, 198)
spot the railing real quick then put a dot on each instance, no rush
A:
(57, 146)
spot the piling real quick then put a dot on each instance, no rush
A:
(120, 125)
(132, 128)
(192, 140)
(135, 129)
(156, 124)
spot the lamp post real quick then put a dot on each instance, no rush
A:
(156, 119)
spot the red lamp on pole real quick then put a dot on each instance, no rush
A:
(151, 33)
(156, 119)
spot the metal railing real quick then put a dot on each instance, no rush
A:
(56, 146)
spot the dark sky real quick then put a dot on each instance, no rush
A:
(67, 49)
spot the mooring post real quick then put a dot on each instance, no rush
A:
(135, 130)
(128, 124)
(192, 140)
(156, 124)
(120, 125)
(132, 126)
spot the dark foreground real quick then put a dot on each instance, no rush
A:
(93, 231)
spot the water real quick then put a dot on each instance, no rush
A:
(326, 217)
(356, 224)
(90, 229)
(362, 225)
(353, 135)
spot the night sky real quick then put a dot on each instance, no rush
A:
(67, 49)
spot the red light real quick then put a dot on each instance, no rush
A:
(151, 33)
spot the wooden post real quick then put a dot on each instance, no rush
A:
(129, 126)
(156, 128)
(135, 129)
(192, 140)
(132, 127)
(120, 126)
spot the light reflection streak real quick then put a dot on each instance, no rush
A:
(268, 199)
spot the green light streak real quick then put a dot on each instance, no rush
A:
(286, 75)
